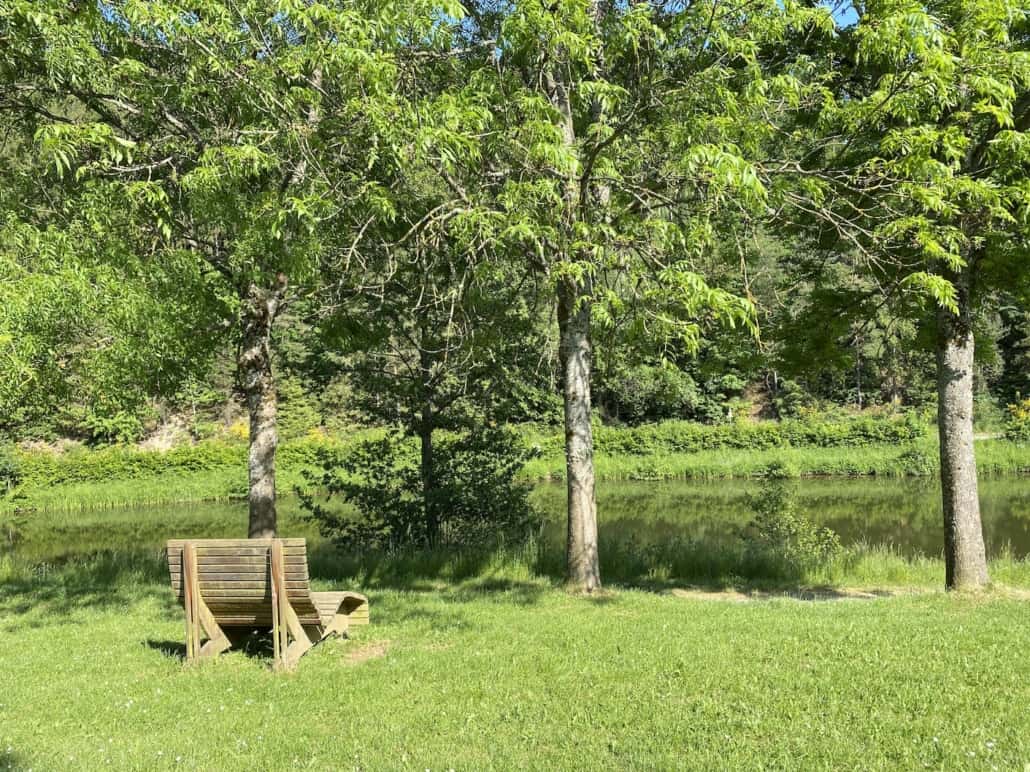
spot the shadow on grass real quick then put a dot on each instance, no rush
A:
(11, 759)
(255, 643)
(171, 649)
(523, 573)
(49, 593)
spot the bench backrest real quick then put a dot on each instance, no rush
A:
(235, 580)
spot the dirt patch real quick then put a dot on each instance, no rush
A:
(365, 652)
(55, 448)
(172, 433)
(809, 594)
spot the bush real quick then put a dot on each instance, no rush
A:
(475, 495)
(1017, 427)
(10, 471)
(297, 412)
(782, 539)
(119, 428)
(689, 437)
(121, 462)
(650, 393)
(791, 400)
(917, 462)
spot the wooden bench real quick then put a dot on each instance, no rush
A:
(256, 583)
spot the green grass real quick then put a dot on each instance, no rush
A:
(479, 660)
(506, 670)
(994, 457)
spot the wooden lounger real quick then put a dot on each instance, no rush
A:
(256, 583)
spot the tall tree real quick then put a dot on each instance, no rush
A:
(622, 130)
(933, 124)
(242, 130)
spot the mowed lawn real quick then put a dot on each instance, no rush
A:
(524, 675)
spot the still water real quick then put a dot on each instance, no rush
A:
(904, 514)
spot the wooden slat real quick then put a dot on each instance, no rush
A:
(222, 614)
(216, 582)
(226, 557)
(247, 552)
(246, 585)
(235, 568)
(262, 622)
(265, 543)
(254, 592)
(221, 598)
(244, 576)
(228, 563)
(235, 581)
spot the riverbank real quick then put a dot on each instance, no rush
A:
(215, 470)
(652, 535)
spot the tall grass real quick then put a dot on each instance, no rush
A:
(624, 563)
(920, 458)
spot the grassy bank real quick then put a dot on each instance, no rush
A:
(214, 472)
(995, 457)
(505, 671)
(915, 458)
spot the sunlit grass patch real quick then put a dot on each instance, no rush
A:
(501, 674)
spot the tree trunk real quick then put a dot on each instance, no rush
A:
(425, 436)
(260, 307)
(583, 568)
(964, 555)
(425, 423)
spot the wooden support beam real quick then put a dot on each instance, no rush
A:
(191, 591)
(217, 641)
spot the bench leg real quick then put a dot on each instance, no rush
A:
(301, 642)
(314, 633)
(285, 624)
(217, 641)
(338, 626)
(198, 615)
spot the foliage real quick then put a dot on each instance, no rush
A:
(651, 393)
(10, 471)
(297, 409)
(781, 537)
(476, 491)
(117, 429)
(44, 469)
(916, 461)
(689, 437)
(89, 331)
(1017, 427)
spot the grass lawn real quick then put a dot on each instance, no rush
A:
(509, 673)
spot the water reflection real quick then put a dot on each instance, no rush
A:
(904, 514)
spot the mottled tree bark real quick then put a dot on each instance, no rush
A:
(583, 566)
(258, 312)
(425, 423)
(584, 199)
(964, 554)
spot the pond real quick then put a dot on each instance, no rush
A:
(904, 514)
